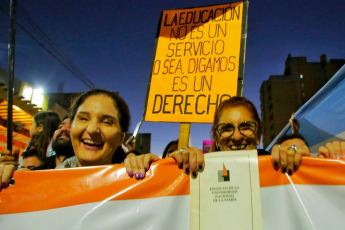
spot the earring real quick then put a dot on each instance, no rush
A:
(217, 147)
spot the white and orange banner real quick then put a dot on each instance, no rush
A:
(105, 197)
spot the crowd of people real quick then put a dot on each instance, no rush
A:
(94, 133)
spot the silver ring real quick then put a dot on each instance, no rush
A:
(293, 147)
(181, 150)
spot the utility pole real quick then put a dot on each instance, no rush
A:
(11, 49)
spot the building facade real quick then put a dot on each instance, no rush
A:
(282, 95)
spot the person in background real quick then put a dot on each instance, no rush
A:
(42, 130)
(171, 147)
(61, 144)
(32, 160)
(237, 126)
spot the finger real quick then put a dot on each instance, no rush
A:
(185, 160)
(331, 150)
(14, 163)
(193, 158)
(7, 173)
(5, 158)
(201, 161)
(2, 184)
(1, 171)
(323, 152)
(177, 156)
(141, 168)
(283, 159)
(3, 181)
(335, 150)
(290, 156)
(5, 152)
(342, 146)
(128, 167)
(134, 166)
(275, 157)
(149, 159)
(297, 161)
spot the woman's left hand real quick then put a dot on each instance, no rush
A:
(137, 166)
(6, 173)
(288, 155)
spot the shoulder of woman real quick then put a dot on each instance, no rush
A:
(68, 163)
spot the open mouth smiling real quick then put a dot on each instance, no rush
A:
(92, 143)
(237, 147)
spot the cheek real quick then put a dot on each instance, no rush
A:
(113, 137)
(252, 141)
(75, 133)
(77, 128)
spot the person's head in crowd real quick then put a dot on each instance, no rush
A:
(99, 122)
(61, 141)
(32, 160)
(292, 138)
(42, 130)
(171, 147)
(44, 123)
(236, 125)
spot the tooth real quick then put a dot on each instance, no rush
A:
(92, 142)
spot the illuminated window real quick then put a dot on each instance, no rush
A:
(37, 97)
(27, 92)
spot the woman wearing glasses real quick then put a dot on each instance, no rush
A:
(237, 126)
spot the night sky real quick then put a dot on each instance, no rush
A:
(112, 44)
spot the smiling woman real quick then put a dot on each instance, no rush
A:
(99, 122)
(237, 126)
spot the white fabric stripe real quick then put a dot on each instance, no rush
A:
(168, 213)
(282, 209)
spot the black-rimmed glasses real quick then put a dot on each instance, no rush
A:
(247, 129)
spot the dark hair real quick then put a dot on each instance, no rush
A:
(165, 152)
(64, 118)
(291, 136)
(50, 121)
(119, 103)
(33, 153)
(234, 102)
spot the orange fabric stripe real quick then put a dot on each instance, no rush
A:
(33, 191)
(313, 171)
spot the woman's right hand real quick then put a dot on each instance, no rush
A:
(137, 166)
(191, 160)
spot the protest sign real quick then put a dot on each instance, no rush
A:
(198, 62)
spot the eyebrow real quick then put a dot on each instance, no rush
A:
(102, 116)
(109, 117)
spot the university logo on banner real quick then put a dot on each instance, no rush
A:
(198, 62)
